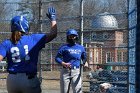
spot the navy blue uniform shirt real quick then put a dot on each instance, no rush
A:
(71, 54)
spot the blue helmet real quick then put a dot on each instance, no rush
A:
(19, 23)
(71, 32)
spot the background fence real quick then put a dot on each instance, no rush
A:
(103, 30)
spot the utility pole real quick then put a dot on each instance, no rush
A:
(81, 35)
(40, 15)
(81, 22)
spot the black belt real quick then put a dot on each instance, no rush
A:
(29, 75)
(74, 67)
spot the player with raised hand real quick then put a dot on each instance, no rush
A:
(22, 51)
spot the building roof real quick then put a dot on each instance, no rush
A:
(105, 21)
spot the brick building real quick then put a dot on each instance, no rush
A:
(108, 42)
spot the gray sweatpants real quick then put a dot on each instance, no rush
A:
(19, 83)
(72, 77)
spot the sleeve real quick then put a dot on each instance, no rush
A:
(40, 40)
(59, 56)
(84, 56)
(2, 50)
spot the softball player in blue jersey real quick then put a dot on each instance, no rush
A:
(22, 51)
(69, 56)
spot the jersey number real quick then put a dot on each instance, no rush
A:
(16, 54)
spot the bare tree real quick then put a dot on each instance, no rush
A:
(68, 11)
(3, 8)
(30, 9)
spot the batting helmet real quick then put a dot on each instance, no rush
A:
(19, 23)
(71, 32)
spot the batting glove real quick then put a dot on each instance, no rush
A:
(51, 14)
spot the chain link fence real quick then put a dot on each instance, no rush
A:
(103, 30)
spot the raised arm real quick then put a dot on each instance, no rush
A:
(52, 16)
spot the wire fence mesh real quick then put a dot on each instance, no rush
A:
(105, 37)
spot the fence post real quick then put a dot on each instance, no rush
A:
(40, 25)
(81, 35)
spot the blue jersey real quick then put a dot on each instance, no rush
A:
(71, 54)
(23, 56)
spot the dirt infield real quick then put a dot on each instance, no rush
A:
(50, 82)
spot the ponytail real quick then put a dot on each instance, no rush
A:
(15, 37)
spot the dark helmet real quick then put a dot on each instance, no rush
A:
(71, 32)
(72, 41)
(19, 23)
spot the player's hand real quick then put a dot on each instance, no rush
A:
(51, 14)
(66, 65)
